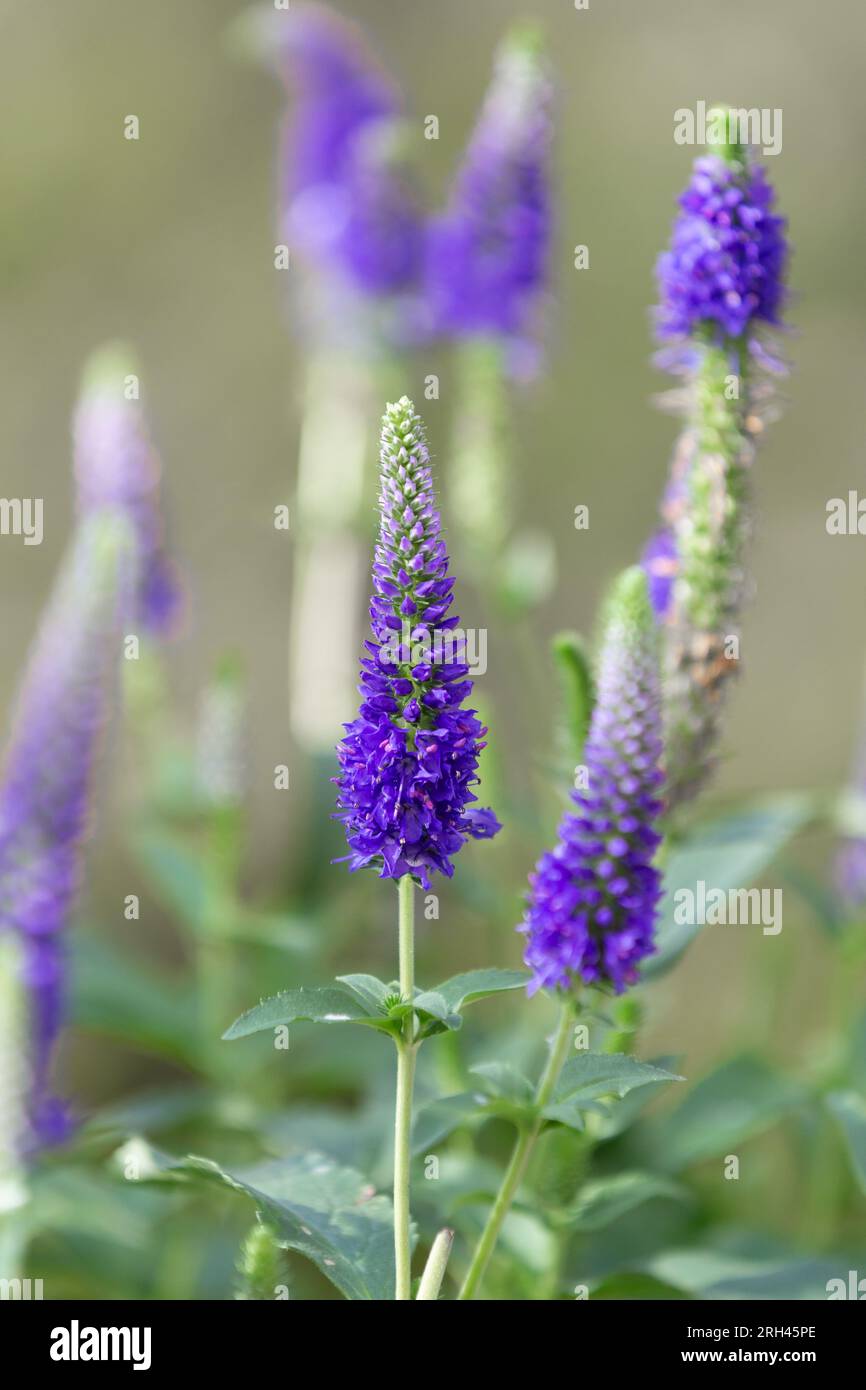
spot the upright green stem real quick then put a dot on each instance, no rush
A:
(406, 1048)
(520, 1155)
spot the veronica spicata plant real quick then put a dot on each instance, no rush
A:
(408, 768)
(593, 899)
(722, 290)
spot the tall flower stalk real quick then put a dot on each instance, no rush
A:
(486, 276)
(408, 763)
(349, 218)
(46, 788)
(593, 901)
(721, 285)
(115, 574)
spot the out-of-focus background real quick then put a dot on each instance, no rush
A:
(168, 241)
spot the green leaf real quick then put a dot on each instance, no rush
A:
(849, 1108)
(577, 695)
(306, 1005)
(717, 1274)
(128, 999)
(741, 1099)
(503, 1080)
(623, 1115)
(176, 873)
(479, 984)
(606, 1199)
(373, 993)
(316, 1206)
(726, 853)
(439, 1118)
(586, 1078)
(434, 1013)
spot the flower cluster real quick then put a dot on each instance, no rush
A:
(409, 761)
(116, 571)
(488, 252)
(116, 466)
(345, 200)
(45, 791)
(721, 285)
(725, 266)
(594, 898)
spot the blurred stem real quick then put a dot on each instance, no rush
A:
(479, 479)
(526, 1140)
(406, 1048)
(328, 526)
(215, 954)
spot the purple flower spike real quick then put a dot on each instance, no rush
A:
(594, 899)
(116, 466)
(409, 761)
(725, 267)
(345, 201)
(488, 252)
(45, 789)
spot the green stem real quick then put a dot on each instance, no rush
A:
(406, 1048)
(520, 1155)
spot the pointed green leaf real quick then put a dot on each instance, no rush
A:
(439, 1118)
(479, 984)
(316, 1207)
(503, 1080)
(606, 1199)
(373, 993)
(586, 1078)
(577, 695)
(305, 1005)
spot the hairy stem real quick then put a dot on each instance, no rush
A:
(406, 1048)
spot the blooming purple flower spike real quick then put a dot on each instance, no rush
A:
(45, 789)
(409, 761)
(116, 466)
(721, 288)
(345, 201)
(725, 266)
(593, 900)
(488, 252)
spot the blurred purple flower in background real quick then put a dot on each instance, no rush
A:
(593, 902)
(45, 792)
(345, 199)
(117, 466)
(115, 573)
(487, 257)
(409, 761)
